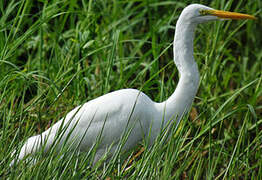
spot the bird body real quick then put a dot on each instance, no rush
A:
(109, 115)
(112, 115)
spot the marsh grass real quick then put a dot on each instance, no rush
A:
(56, 55)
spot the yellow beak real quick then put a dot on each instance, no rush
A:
(230, 15)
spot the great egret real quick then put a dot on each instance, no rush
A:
(110, 115)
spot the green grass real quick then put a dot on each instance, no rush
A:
(55, 55)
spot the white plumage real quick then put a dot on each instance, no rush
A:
(114, 113)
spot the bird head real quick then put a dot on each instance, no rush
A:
(197, 13)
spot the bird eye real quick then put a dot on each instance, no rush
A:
(203, 12)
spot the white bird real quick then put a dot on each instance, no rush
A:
(110, 115)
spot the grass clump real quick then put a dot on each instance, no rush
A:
(55, 55)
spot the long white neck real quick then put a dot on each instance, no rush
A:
(181, 100)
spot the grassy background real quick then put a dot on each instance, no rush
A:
(55, 55)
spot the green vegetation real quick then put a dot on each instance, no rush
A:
(55, 55)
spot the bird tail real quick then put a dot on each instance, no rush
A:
(32, 145)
